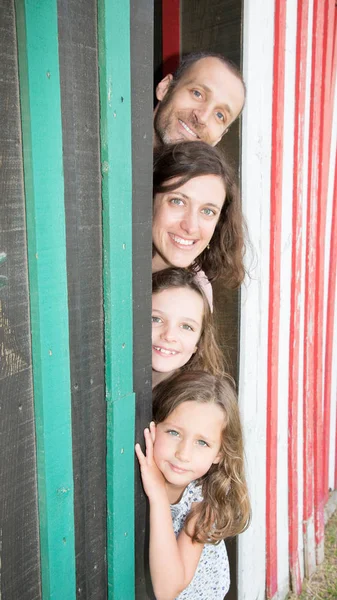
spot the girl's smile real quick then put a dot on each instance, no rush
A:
(187, 443)
(177, 317)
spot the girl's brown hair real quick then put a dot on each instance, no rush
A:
(208, 356)
(184, 161)
(225, 508)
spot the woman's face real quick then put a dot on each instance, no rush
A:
(177, 317)
(184, 221)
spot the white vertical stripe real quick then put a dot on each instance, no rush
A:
(258, 42)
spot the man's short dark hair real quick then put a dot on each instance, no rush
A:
(190, 59)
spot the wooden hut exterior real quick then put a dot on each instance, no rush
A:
(75, 285)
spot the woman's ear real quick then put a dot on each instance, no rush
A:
(163, 86)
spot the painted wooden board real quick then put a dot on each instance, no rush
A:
(83, 204)
(141, 100)
(19, 536)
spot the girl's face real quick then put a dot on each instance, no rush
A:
(177, 316)
(187, 444)
(184, 221)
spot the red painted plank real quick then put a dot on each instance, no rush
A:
(312, 351)
(328, 106)
(170, 35)
(296, 291)
(274, 295)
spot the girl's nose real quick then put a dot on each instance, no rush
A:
(168, 333)
(183, 452)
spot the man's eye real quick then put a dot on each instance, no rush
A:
(176, 201)
(220, 116)
(196, 93)
(208, 212)
(155, 319)
(202, 443)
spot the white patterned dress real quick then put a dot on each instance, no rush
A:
(211, 579)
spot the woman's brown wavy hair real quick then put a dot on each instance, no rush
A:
(225, 508)
(184, 161)
(208, 356)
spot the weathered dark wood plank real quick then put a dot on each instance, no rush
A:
(80, 124)
(141, 90)
(19, 538)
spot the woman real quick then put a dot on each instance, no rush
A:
(197, 217)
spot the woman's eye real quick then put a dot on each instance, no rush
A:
(187, 327)
(176, 201)
(208, 212)
(196, 93)
(155, 319)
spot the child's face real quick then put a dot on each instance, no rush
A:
(188, 443)
(177, 315)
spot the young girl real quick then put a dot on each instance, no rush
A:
(193, 475)
(183, 333)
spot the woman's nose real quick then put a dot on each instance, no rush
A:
(190, 223)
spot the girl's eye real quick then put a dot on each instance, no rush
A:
(172, 432)
(202, 443)
(155, 319)
(176, 201)
(208, 212)
(196, 93)
(187, 327)
(220, 116)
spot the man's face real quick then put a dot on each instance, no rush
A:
(201, 106)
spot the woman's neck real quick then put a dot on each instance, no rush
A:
(158, 263)
(157, 377)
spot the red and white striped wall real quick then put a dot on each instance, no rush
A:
(288, 351)
(288, 346)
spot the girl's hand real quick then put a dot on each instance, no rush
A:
(152, 478)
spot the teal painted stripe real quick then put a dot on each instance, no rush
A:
(115, 103)
(44, 190)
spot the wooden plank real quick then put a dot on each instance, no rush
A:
(44, 192)
(296, 292)
(274, 297)
(313, 513)
(142, 116)
(116, 169)
(78, 51)
(170, 35)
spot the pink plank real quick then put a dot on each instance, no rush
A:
(295, 311)
(274, 296)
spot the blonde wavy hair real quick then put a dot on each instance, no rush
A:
(225, 509)
(208, 356)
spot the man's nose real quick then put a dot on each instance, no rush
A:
(202, 114)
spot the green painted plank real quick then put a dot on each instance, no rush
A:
(116, 167)
(44, 191)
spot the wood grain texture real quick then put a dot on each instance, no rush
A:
(80, 124)
(19, 541)
(141, 90)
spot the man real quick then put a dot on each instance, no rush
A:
(199, 102)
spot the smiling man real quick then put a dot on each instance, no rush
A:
(199, 102)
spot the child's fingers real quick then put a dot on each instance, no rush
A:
(140, 454)
(153, 431)
(148, 444)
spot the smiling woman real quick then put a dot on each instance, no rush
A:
(197, 218)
